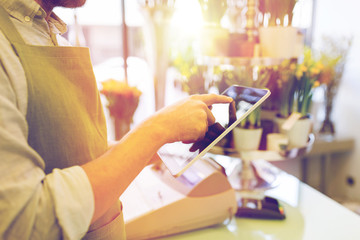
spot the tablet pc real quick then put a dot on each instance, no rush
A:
(179, 156)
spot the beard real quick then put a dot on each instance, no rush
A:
(65, 3)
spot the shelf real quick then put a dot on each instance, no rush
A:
(266, 155)
(238, 61)
(337, 145)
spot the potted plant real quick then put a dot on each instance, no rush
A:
(278, 39)
(122, 103)
(297, 83)
(191, 75)
(277, 12)
(247, 135)
(333, 56)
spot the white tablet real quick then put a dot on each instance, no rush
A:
(178, 156)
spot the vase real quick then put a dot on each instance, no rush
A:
(298, 135)
(278, 42)
(157, 31)
(327, 130)
(121, 127)
(247, 139)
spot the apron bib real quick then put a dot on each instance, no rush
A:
(65, 116)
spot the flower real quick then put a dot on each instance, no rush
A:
(333, 57)
(296, 81)
(122, 98)
(306, 80)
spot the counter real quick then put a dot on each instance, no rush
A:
(310, 215)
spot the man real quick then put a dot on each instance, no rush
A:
(58, 177)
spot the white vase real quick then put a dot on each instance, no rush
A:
(278, 42)
(276, 142)
(298, 135)
(247, 139)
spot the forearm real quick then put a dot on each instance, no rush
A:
(113, 172)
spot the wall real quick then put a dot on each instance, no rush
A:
(336, 18)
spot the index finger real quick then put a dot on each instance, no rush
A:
(210, 117)
(210, 99)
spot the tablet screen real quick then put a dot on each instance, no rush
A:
(178, 156)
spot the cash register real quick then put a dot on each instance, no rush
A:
(158, 204)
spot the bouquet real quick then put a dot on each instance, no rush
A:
(297, 82)
(333, 56)
(122, 99)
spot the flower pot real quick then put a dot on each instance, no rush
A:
(276, 142)
(278, 42)
(298, 135)
(239, 46)
(247, 139)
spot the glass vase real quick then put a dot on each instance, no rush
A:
(327, 130)
(157, 31)
(121, 127)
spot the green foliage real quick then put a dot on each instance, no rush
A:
(248, 76)
(213, 10)
(192, 78)
(296, 82)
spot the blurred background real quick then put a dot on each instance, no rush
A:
(176, 48)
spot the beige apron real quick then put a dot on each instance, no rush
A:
(65, 116)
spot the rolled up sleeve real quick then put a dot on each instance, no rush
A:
(33, 205)
(73, 200)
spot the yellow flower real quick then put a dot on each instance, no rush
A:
(303, 68)
(292, 66)
(122, 98)
(320, 65)
(316, 84)
(314, 71)
(113, 86)
(300, 71)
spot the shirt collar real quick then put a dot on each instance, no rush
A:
(27, 10)
(58, 23)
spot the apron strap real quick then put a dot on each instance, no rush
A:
(8, 28)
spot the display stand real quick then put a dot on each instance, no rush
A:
(251, 175)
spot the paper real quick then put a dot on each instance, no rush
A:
(289, 123)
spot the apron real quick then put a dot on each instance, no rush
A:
(64, 114)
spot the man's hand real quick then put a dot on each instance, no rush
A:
(213, 132)
(188, 119)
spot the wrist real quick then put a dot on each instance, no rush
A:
(154, 128)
